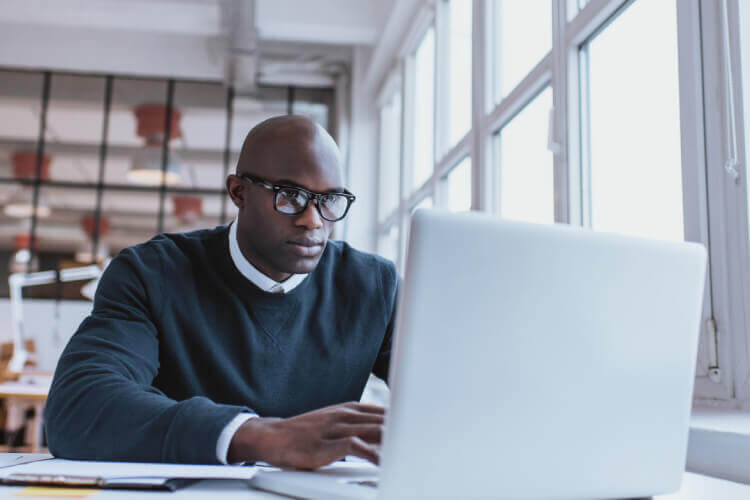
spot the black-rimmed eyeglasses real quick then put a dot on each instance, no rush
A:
(292, 200)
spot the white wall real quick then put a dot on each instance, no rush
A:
(745, 63)
(360, 229)
(41, 321)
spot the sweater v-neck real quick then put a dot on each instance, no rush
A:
(218, 248)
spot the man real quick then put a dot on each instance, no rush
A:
(238, 344)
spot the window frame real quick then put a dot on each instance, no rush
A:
(715, 210)
(729, 254)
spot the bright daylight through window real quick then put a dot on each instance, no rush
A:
(390, 155)
(424, 95)
(459, 69)
(525, 163)
(458, 187)
(522, 37)
(634, 123)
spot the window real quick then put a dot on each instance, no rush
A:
(388, 244)
(424, 110)
(68, 232)
(633, 115)
(457, 187)
(744, 23)
(459, 70)
(74, 127)
(200, 143)
(525, 164)
(424, 203)
(390, 156)
(617, 138)
(49, 204)
(521, 37)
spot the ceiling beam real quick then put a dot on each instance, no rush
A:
(117, 52)
(344, 22)
(393, 34)
(155, 16)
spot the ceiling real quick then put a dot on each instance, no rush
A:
(186, 38)
(281, 42)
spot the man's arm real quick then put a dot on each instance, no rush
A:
(102, 405)
(313, 439)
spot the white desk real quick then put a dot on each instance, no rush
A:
(697, 487)
(18, 397)
(694, 487)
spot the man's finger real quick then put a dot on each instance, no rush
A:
(370, 433)
(366, 408)
(358, 448)
(355, 417)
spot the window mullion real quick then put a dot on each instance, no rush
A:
(560, 110)
(482, 177)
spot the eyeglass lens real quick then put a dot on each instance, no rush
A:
(293, 201)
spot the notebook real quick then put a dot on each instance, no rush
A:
(122, 475)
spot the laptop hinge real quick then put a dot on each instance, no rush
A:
(714, 372)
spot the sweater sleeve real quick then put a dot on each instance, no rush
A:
(102, 405)
(391, 284)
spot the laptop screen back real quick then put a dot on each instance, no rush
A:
(540, 361)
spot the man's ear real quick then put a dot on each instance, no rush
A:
(236, 190)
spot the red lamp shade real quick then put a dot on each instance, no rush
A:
(24, 165)
(88, 223)
(151, 120)
(188, 208)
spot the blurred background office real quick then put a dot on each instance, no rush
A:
(120, 119)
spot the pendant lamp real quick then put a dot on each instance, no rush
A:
(146, 164)
(21, 201)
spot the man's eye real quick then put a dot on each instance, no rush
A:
(289, 193)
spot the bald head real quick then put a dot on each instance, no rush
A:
(288, 138)
(289, 151)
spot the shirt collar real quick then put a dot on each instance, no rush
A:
(252, 273)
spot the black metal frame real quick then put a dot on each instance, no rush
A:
(227, 145)
(102, 161)
(39, 163)
(100, 187)
(165, 155)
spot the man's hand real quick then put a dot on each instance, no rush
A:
(313, 439)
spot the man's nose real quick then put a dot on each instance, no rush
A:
(310, 218)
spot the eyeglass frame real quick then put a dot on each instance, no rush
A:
(311, 195)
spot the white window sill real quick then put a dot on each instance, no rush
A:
(719, 444)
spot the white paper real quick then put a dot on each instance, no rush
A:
(58, 466)
(10, 459)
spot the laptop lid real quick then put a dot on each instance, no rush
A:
(540, 361)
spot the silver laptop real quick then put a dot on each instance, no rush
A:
(531, 361)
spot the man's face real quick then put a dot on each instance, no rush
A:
(277, 244)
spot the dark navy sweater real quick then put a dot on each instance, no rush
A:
(179, 342)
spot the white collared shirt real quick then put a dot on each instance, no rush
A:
(252, 273)
(266, 284)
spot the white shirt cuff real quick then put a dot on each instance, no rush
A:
(225, 438)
